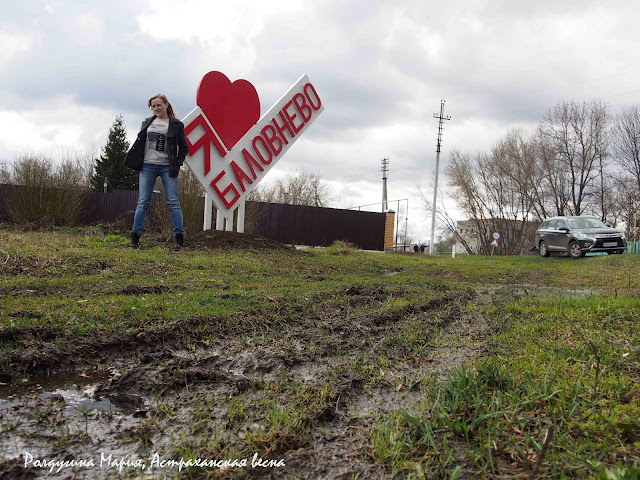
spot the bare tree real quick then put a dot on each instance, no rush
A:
(297, 188)
(447, 222)
(550, 193)
(497, 191)
(626, 202)
(619, 194)
(579, 135)
(512, 162)
(467, 192)
(626, 142)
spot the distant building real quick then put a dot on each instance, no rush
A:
(516, 237)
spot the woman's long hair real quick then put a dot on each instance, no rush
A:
(164, 98)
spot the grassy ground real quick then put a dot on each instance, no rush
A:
(338, 363)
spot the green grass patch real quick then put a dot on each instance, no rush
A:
(565, 370)
(554, 390)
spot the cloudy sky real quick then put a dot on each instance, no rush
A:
(381, 68)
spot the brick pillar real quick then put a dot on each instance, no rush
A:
(389, 229)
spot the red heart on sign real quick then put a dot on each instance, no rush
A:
(232, 108)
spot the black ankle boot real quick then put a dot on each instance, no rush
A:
(179, 242)
(135, 240)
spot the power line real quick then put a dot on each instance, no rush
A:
(550, 89)
(568, 84)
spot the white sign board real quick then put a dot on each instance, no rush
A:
(229, 175)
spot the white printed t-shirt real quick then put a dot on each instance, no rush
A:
(157, 151)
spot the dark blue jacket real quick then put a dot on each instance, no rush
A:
(176, 141)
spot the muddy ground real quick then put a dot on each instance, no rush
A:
(124, 403)
(218, 240)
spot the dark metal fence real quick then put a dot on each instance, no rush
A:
(97, 207)
(108, 207)
(316, 226)
(291, 224)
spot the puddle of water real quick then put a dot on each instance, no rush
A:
(561, 292)
(76, 388)
(538, 291)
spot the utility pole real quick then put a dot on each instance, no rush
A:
(440, 118)
(385, 169)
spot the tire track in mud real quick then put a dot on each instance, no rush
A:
(339, 449)
(162, 388)
(40, 349)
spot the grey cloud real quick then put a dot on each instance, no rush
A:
(122, 70)
(375, 63)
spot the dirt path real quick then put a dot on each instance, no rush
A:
(303, 399)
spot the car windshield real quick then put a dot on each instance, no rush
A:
(585, 223)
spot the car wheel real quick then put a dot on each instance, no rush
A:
(544, 251)
(574, 250)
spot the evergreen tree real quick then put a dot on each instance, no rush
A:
(110, 165)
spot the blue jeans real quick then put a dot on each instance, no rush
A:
(148, 176)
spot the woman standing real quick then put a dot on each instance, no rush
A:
(158, 151)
